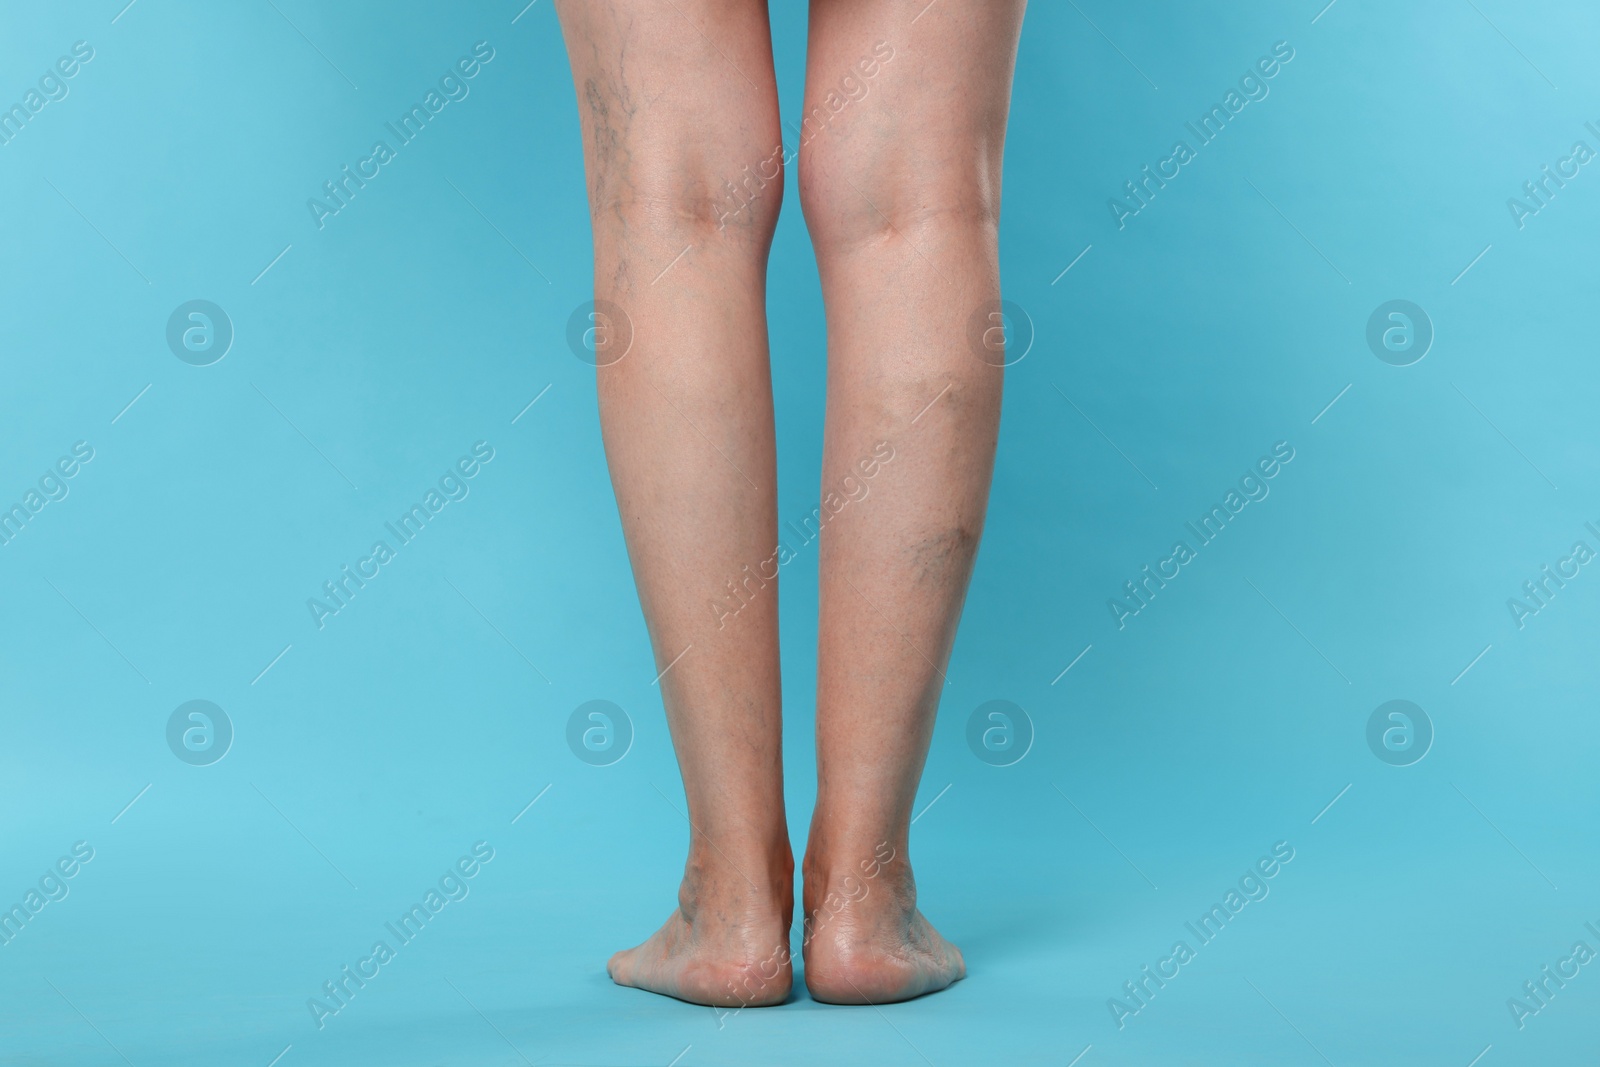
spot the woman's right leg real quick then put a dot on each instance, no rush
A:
(902, 197)
(678, 100)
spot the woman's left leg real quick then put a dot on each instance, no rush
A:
(673, 132)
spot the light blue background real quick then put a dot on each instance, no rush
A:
(424, 717)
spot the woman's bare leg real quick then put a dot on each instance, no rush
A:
(677, 101)
(901, 190)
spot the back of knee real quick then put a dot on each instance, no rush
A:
(856, 200)
(702, 196)
(748, 200)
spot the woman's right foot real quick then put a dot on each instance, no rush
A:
(865, 940)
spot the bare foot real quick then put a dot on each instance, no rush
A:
(865, 940)
(727, 944)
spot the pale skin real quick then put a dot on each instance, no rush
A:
(901, 192)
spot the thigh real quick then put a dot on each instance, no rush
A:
(905, 105)
(675, 97)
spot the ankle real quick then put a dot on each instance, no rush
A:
(850, 832)
(754, 885)
(855, 885)
(832, 858)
